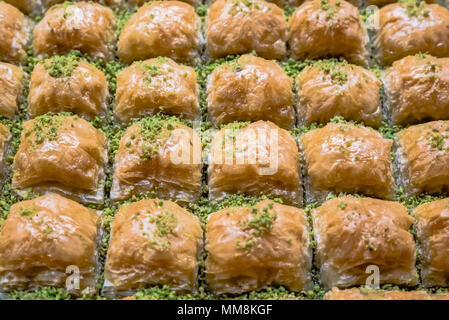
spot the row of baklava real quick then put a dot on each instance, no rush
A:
(317, 29)
(249, 88)
(163, 157)
(157, 242)
(39, 6)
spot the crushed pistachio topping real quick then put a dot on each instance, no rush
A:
(25, 212)
(415, 8)
(342, 205)
(437, 141)
(153, 129)
(166, 223)
(61, 66)
(260, 222)
(329, 9)
(45, 127)
(333, 67)
(243, 5)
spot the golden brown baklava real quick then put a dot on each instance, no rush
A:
(409, 27)
(85, 26)
(432, 226)
(417, 89)
(62, 154)
(343, 157)
(161, 28)
(328, 28)
(49, 241)
(15, 34)
(252, 159)
(11, 89)
(153, 242)
(330, 88)
(250, 248)
(250, 89)
(67, 84)
(158, 157)
(243, 26)
(422, 157)
(156, 85)
(354, 233)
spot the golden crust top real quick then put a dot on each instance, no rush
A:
(328, 28)
(154, 242)
(250, 89)
(237, 27)
(161, 28)
(84, 26)
(156, 85)
(253, 247)
(353, 233)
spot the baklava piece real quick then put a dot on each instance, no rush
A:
(410, 27)
(66, 84)
(153, 242)
(243, 26)
(328, 28)
(161, 28)
(372, 294)
(161, 157)
(27, 6)
(255, 158)
(250, 248)
(5, 137)
(417, 89)
(250, 89)
(156, 85)
(354, 233)
(422, 157)
(46, 240)
(343, 157)
(432, 226)
(15, 34)
(84, 26)
(62, 154)
(330, 88)
(11, 89)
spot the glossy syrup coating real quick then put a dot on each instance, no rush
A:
(432, 226)
(27, 6)
(250, 248)
(156, 85)
(346, 158)
(153, 242)
(423, 158)
(344, 90)
(417, 89)
(328, 28)
(161, 28)
(84, 26)
(372, 294)
(15, 34)
(82, 91)
(407, 28)
(11, 89)
(64, 154)
(42, 237)
(240, 26)
(353, 233)
(165, 162)
(250, 89)
(258, 158)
